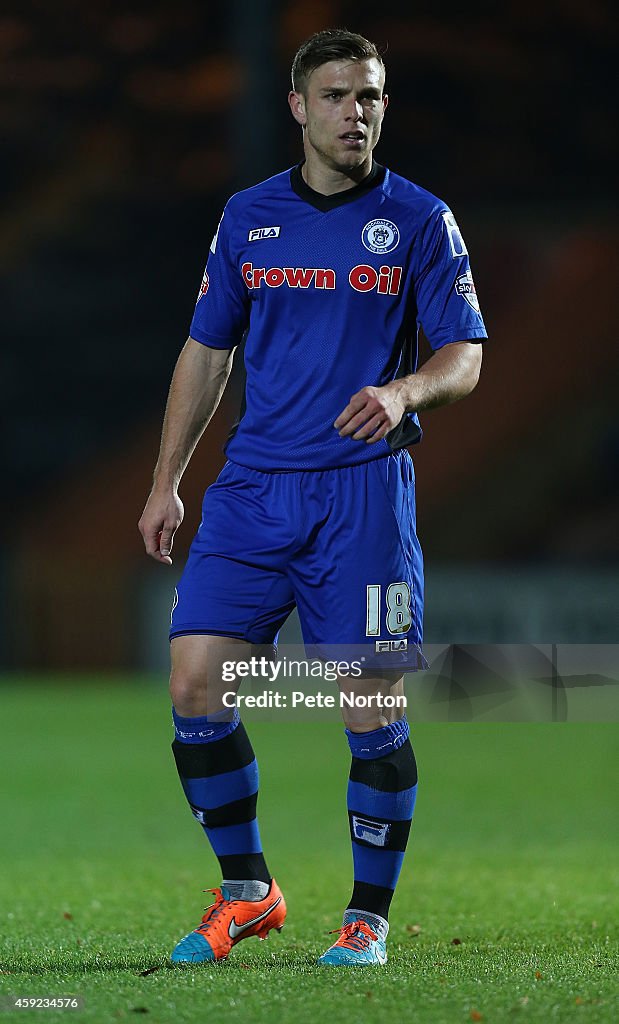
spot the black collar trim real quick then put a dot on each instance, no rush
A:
(331, 202)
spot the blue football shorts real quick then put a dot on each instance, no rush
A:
(340, 545)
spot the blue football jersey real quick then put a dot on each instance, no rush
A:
(330, 292)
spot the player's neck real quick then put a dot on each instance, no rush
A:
(327, 180)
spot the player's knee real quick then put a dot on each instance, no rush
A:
(197, 673)
(187, 690)
(369, 723)
(374, 701)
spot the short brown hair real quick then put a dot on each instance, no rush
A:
(330, 44)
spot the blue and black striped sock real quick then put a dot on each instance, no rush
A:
(219, 775)
(381, 798)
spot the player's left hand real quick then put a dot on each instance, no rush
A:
(372, 413)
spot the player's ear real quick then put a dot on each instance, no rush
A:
(385, 102)
(296, 101)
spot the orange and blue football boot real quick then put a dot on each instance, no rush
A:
(357, 946)
(227, 921)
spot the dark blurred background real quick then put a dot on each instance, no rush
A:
(126, 126)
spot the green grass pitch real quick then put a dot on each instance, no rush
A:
(506, 911)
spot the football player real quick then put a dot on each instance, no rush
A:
(329, 269)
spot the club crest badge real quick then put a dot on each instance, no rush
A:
(380, 236)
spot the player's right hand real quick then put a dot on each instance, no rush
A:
(161, 518)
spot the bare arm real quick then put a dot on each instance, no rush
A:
(449, 374)
(197, 385)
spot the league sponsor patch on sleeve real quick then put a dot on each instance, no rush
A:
(465, 286)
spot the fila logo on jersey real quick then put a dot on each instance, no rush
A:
(380, 236)
(257, 234)
(466, 288)
(363, 278)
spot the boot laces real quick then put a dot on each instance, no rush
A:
(211, 913)
(355, 936)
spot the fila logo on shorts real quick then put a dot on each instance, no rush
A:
(389, 646)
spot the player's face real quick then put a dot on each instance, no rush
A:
(342, 112)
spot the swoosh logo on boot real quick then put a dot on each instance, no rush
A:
(234, 929)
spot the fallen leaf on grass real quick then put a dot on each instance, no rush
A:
(456, 942)
(413, 929)
(67, 916)
(369, 995)
(246, 967)
(475, 1015)
(143, 974)
(538, 975)
(524, 1000)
